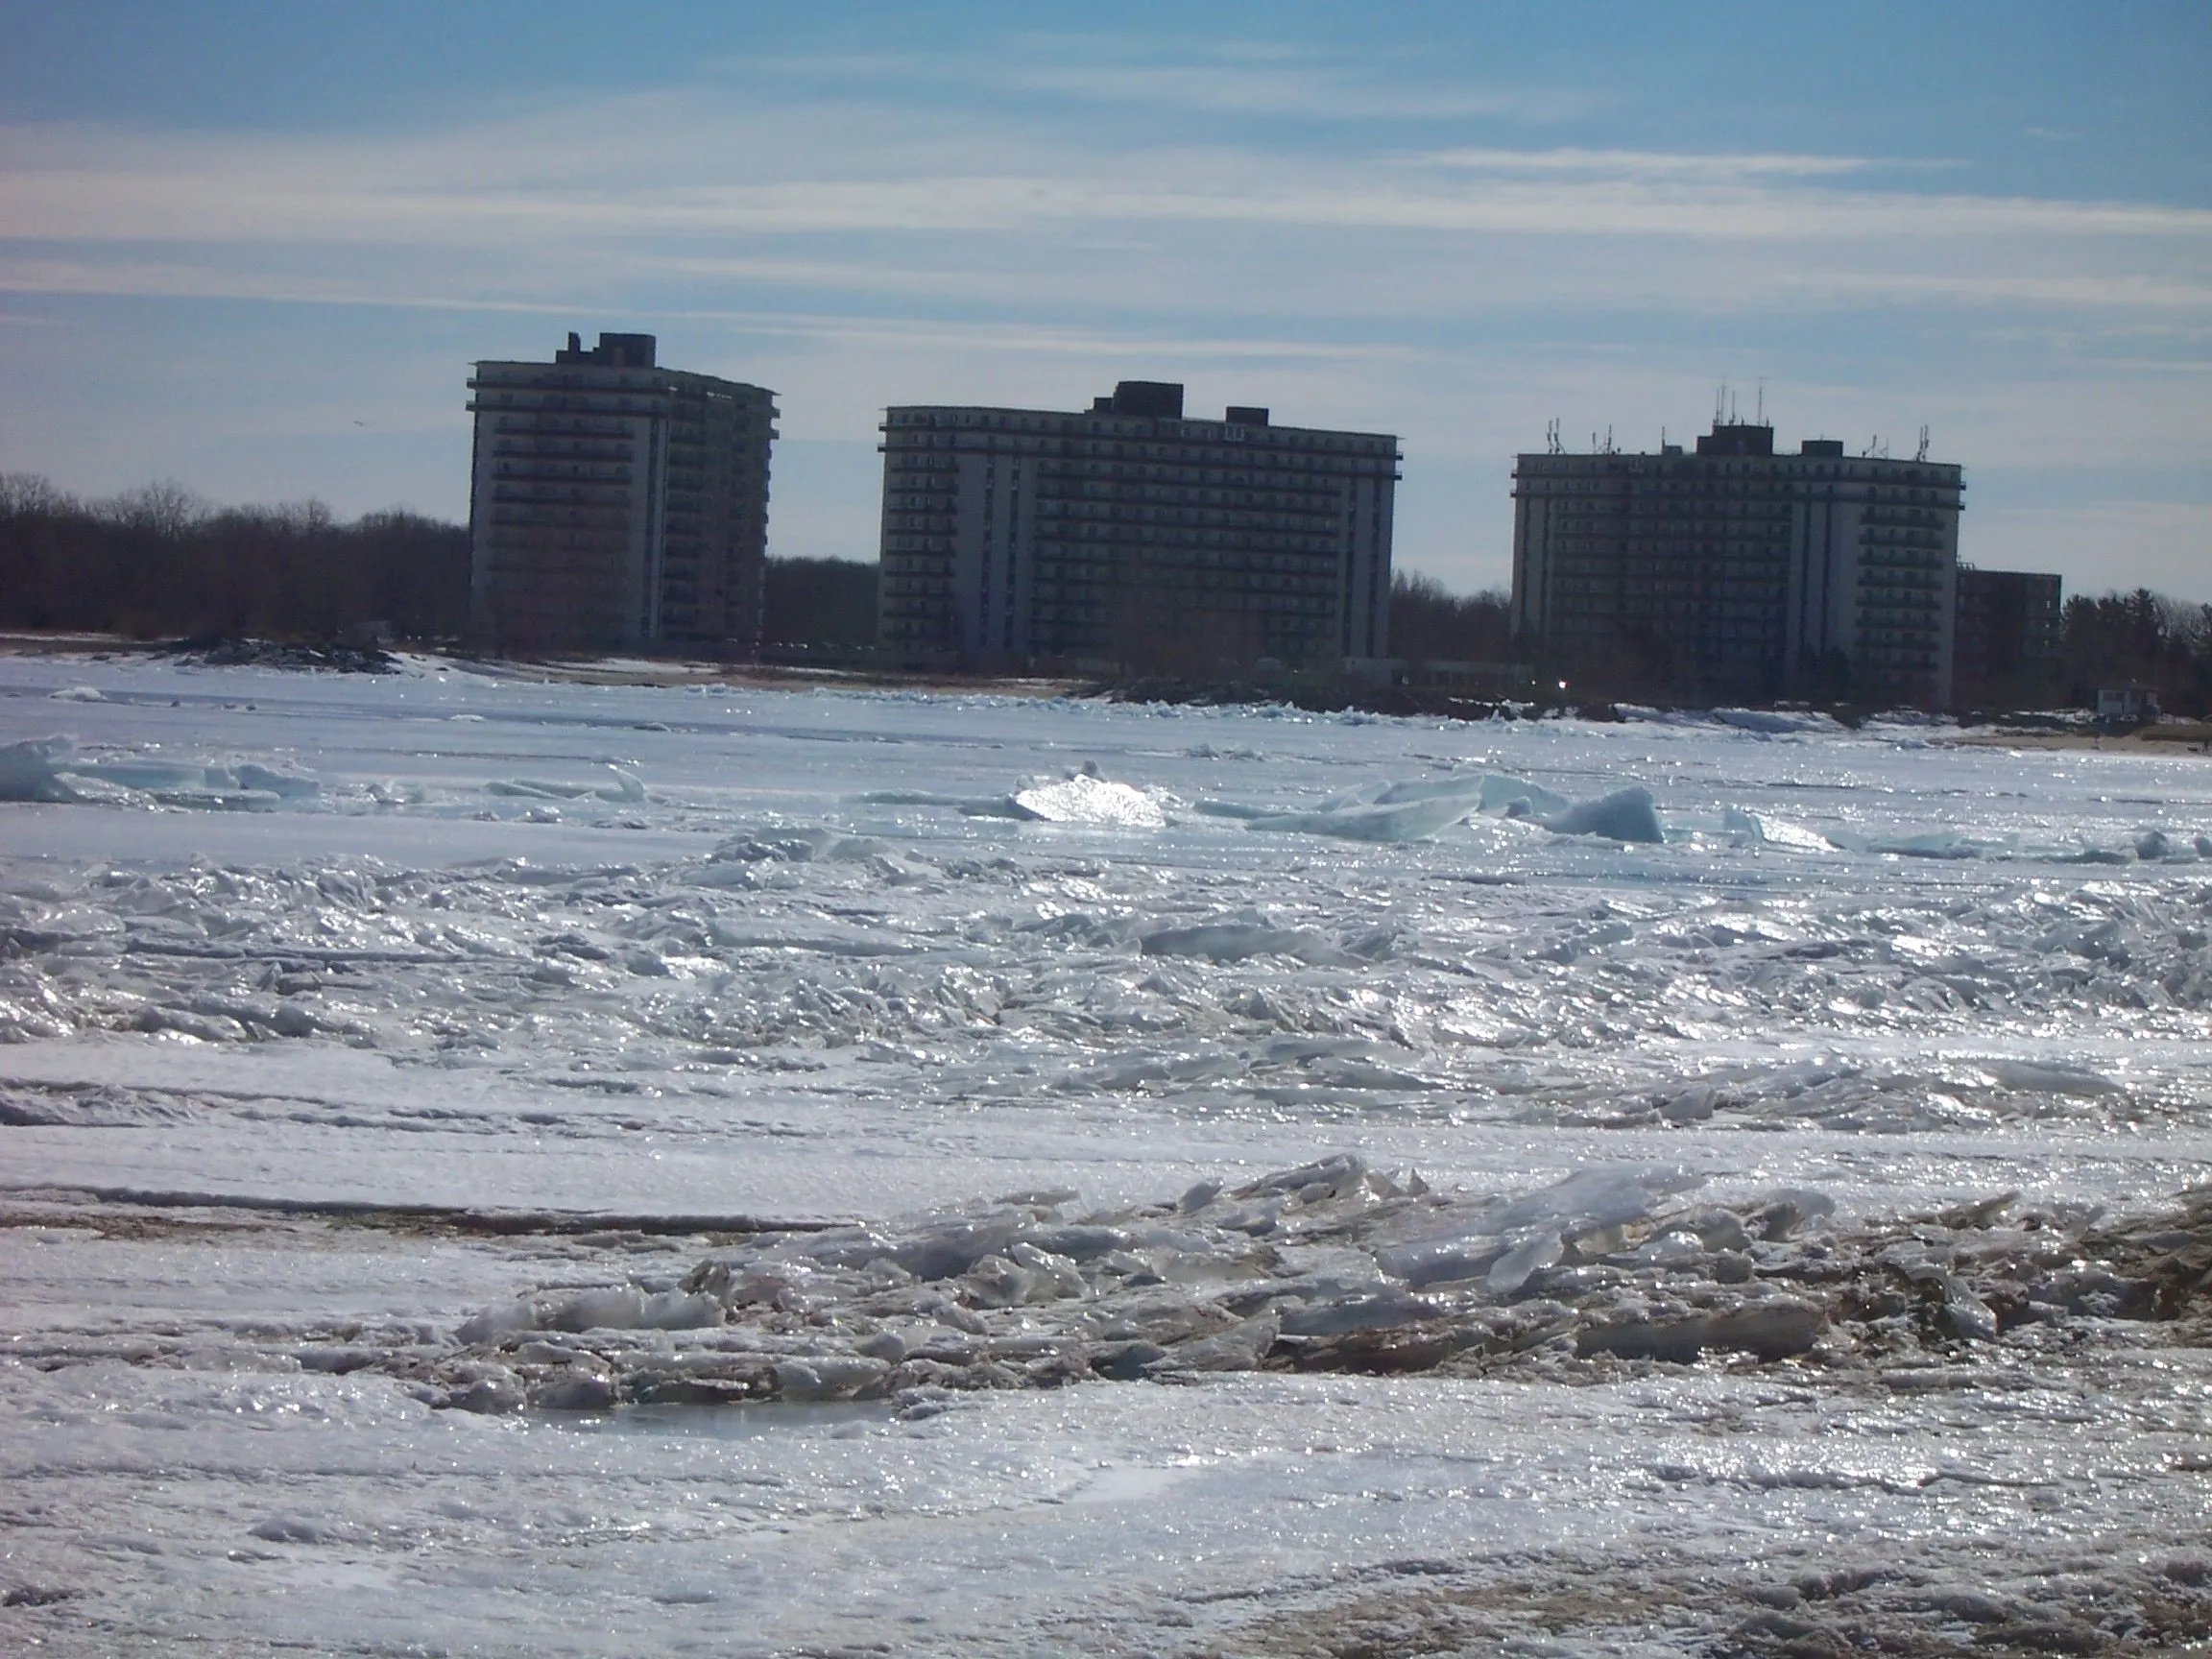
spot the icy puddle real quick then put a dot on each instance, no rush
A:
(504, 1168)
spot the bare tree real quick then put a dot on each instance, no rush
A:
(165, 507)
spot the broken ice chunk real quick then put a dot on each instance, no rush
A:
(1238, 937)
(1411, 821)
(493, 1323)
(1758, 828)
(1086, 798)
(1625, 815)
(1515, 798)
(1533, 1254)
(630, 1308)
(1341, 1174)
(831, 1377)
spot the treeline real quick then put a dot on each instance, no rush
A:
(161, 563)
(2107, 639)
(1428, 623)
(2144, 638)
(822, 603)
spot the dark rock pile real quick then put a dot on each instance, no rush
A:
(334, 656)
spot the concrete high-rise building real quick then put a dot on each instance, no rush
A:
(1736, 572)
(1132, 538)
(2010, 637)
(617, 503)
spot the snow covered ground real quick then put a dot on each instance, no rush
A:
(360, 1035)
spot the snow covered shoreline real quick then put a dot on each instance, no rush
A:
(479, 996)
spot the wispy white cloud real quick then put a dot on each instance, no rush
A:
(1648, 163)
(143, 280)
(208, 282)
(1056, 342)
(2116, 290)
(1234, 77)
(1305, 93)
(506, 184)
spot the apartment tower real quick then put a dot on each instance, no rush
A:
(615, 503)
(1737, 573)
(1128, 536)
(2011, 633)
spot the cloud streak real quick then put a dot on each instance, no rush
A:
(1233, 79)
(1651, 164)
(1306, 94)
(205, 283)
(460, 191)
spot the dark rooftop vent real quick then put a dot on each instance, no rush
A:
(613, 351)
(1822, 446)
(1737, 439)
(1246, 415)
(1159, 400)
(628, 350)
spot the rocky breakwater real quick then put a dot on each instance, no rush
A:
(1336, 1266)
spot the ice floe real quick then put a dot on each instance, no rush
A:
(625, 788)
(1331, 1266)
(1763, 830)
(1625, 815)
(50, 769)
(1081, 797)
(1367, 821)
(1759, 722)
(1086, 798)
(1419, 810)
(29, 769)
(1239, 936)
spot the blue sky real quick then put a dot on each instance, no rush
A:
(253, 248)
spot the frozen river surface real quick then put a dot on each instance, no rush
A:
(423, 1098)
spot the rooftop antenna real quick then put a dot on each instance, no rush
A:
(1721, 403)
(1609, 449)
(1923, 452)
(1551, 443)
(1762, 402)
